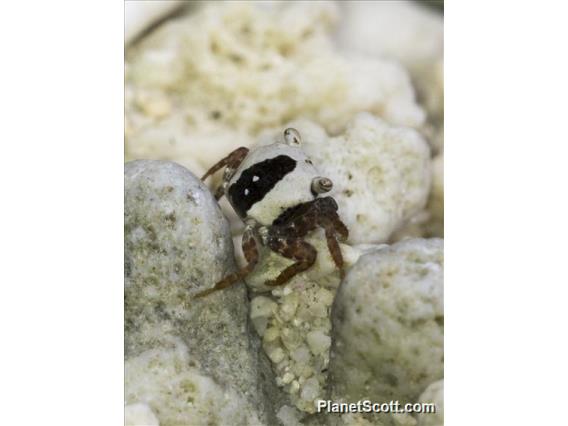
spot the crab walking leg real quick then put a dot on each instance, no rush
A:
(333, 226)
(251, 255)
(232, 160)
(328, 217)
(304, 253)
(339, 227)
(334, 249)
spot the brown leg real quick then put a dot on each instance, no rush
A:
(232, 160)
(251, 254)
(334, 249)
(339, 227)
(329, 219)
(305, 255)
(326, 216)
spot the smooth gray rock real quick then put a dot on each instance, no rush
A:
(177, 242)
(388, 324)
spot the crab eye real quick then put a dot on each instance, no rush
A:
(321, 185)
(292, 136)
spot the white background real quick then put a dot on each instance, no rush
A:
(61, 187)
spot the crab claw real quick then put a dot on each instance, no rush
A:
(321, 185)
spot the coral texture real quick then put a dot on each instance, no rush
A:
(388, 324)
(202, 85)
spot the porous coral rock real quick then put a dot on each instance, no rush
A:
(298, 314)
(380, 173)
(179, 393)
(388, 324)
(202, 85)
(177, 242)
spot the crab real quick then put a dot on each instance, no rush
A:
(275, 190)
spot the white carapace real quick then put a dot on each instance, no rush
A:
(274, 178)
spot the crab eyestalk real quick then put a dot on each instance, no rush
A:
(292, 136)
(321, 185)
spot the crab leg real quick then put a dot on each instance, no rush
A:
(304, 253)
(251, 254)
(232, 160)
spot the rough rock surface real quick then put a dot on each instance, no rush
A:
(295, 327)
(176, 243)
(388, 324)
(433, 393)
(202, 85)
(181, 394)
(380, 173)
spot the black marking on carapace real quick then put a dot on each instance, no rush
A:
(245, 192)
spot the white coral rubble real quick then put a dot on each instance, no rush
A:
(207, 83)
(295, 327)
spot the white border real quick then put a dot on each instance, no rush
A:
(61, 177)
(506, 156)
